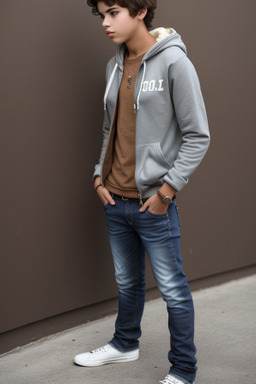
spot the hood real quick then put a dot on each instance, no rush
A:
(165, 38)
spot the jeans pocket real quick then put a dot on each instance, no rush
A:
(159, 215)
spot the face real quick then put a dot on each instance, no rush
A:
(119, 25)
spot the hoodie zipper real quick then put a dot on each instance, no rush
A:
(141, 85)
(136, 108)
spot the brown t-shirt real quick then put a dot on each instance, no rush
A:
(121, 179)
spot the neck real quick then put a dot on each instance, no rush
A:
(140, 43)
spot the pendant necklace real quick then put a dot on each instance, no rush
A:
(129, 74)
(129, 82)
(129, 85)
(132, 67)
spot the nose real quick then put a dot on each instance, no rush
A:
(105, 22)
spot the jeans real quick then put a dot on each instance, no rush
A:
(131, 234)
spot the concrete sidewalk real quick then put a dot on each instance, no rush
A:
(225, 338)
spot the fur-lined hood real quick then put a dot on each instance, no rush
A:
(165, 38)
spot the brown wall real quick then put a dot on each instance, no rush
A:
(54, 248)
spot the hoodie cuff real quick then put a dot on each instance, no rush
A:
(176, 180)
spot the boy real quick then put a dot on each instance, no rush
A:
(155, 134)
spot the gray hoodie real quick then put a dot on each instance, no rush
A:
(172, 134)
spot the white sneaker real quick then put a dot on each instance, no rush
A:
(105, 355)
(170, 379)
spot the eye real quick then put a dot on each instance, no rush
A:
(114, 13)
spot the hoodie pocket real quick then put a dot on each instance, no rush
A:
(151, 165)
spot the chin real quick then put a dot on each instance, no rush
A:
(118, 40)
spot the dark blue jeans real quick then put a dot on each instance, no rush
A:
(131, 234)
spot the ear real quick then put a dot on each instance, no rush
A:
(142, 13)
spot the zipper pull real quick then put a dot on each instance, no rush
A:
(135, 108)
(140, 198)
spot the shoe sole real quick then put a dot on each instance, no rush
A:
(113, 361)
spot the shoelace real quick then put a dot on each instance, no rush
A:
(170, 380)
(102, 349)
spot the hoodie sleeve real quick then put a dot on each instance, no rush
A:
(106, 124)
(106, 129)
(192, 122)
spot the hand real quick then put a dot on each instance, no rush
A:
(155, 205)
(105, 196)
(103, 193)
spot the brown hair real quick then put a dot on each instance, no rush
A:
(134, 6)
